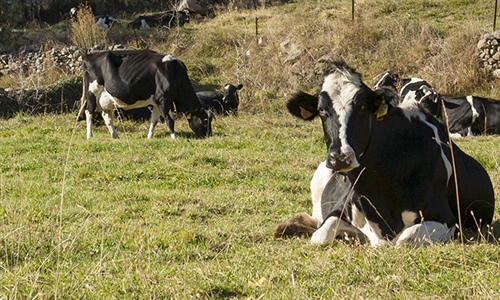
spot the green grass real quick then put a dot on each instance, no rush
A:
(191, 218)
(136, 218)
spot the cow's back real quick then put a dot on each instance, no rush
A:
(475, 191)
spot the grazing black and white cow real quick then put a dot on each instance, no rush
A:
(397, 161)
(139, 78)
(224, 102)
(167, 19)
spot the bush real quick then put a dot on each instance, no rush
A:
(84, 32)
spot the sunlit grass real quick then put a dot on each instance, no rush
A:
(191, 218)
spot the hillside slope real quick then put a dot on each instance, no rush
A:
(276, 50)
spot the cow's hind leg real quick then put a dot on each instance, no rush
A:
(169, 118)
(300, 225)
(108, 120)
(425, 233)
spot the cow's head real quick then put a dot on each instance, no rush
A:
(347, 108)
(416, 90)
(230, 99)
(388, 79)
(200, 121)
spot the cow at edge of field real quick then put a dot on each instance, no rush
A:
(223, 102)
(466, 115)
(398, 163)
(137, 78)
(169, 19)
(102, 21)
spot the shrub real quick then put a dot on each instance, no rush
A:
(84, 32)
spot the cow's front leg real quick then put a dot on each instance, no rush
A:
(108, 117)
(320, 178)
(334, 227)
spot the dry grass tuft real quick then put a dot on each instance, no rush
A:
(84, 32)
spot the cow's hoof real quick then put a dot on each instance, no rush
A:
(290, 229)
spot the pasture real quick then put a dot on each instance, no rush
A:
(193, 218)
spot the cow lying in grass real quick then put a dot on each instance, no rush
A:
(401, 181)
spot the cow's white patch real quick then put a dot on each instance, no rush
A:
(369, 229)
(425, 233)
(96, 89)
(410, 98)
(440, 144)
(411, 112)
(144, 25)
(475, 114)
(342, 88)
(109, 102)
(168, 57)
(382, 79)
(412, 81)
(101, 23)
(409, 218)
(320, 178)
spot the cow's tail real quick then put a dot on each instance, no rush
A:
(83, 100)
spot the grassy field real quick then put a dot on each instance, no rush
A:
(191, 218)
(194, 219)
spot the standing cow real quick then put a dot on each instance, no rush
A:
(398, 163)
(225, 102)
(138, 78)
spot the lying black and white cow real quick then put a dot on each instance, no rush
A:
(225, 102)
(466, 116)
(139, 78)
(167, 19)
(102, 21)
(397, 161)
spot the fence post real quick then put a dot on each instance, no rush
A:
(495, 16)
(352, 10)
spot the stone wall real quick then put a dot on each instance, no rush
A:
(31, 60)
(59, 98)
(489, 52)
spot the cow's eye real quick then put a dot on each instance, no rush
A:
(363, 108)
(322, 112)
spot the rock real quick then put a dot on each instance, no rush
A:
(496, 73)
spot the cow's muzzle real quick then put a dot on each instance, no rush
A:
(342, 161)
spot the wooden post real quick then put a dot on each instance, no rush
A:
(352, 10)
(495, 16)
(256, 27)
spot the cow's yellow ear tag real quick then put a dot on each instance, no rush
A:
(188, 116)
(381, 111)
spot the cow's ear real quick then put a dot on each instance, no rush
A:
(239, 87)
(384, 99)
(303, 105)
